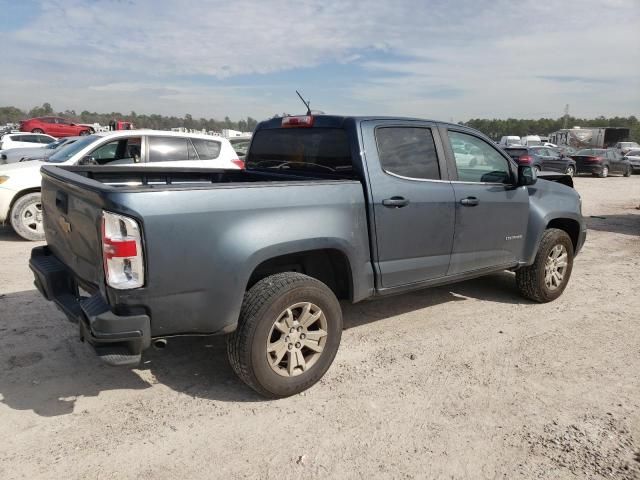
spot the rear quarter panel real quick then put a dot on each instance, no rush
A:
(201, 245)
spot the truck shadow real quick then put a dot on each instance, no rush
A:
(626, 224)
(46, 369)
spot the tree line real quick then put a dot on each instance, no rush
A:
(497, 128)
(154, 121)
(494, 128)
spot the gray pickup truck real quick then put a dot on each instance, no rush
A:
(328, 208)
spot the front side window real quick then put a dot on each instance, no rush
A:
(477, 161)
(207, 149)
(168, 149)
(122, 151)
(408, 152)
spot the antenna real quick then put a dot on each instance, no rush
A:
(306, 103)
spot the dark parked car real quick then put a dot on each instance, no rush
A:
(542, 158)
(54, 126)
(601, 162)
(328, 208)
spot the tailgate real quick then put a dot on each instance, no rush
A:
(72, 217)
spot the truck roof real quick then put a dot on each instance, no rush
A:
(338, 120)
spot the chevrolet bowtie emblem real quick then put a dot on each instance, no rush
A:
(66, 226)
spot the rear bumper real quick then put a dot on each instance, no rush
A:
(594, 169)
(117, 339)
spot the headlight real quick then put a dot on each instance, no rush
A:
(3, 178)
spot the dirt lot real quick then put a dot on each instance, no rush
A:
(465, 381)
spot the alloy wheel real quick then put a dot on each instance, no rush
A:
(297, 339)
(556, 267)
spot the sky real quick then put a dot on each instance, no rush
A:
(437, 59)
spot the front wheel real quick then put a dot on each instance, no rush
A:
(288, 334)
(26, 217)
(628, 171)
(547, 278)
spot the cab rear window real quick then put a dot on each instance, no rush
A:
(318, 149)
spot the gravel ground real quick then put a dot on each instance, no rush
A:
(464, 381)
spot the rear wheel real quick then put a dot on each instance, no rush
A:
(571, 171)
(37, 130)
(26, 217)
(538, 168)
(628, 171)
(85, 133)
(604, 173)
(547, 278)
(288, 334)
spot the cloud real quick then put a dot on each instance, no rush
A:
(436, 58)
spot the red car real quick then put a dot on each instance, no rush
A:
(54, 126)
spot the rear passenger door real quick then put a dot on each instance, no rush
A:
(491, 213)
(411, 199)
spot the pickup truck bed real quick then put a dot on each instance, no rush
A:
(329, 208)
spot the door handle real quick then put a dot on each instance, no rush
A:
(469, 201)
(395, 202)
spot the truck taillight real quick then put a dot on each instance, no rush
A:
(239, 163)
(122, 251)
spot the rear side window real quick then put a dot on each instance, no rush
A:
(168, 149)
(318, 149)
(44, 139)
(408, 152)
(207, 149)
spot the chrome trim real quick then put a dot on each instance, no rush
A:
(414, 179)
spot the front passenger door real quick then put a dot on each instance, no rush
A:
(491, 213)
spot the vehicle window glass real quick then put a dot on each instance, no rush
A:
(319, 149)
(191, 151)
(207, 149)
(408, 151)
(47, 120)
(44, 139)
(240, 146)
(168, 149)
(479, 161)
(67, 151)
(30, 138)
(122, 151)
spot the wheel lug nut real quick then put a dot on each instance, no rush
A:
(290, 346)
(286, 339)
(298, 344)
(303, 336)
(291, 330)
(299, 329)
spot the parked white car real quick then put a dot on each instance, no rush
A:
(25, 140)
(20, 182)
(509, 140)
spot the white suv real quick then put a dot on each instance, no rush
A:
(25, 140)
(20, 182)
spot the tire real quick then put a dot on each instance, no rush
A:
(571, 171)
(37, 130)
(268, 303)
(604, 173)
(26, 217)
(538, 168)
(84, 133)
(628, 171)
(532, 280)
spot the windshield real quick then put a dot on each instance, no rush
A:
(591, 151)
(318, 149)
(56, 144)
(65, 153)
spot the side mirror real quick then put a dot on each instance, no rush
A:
(526, 175)
(87, 160)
